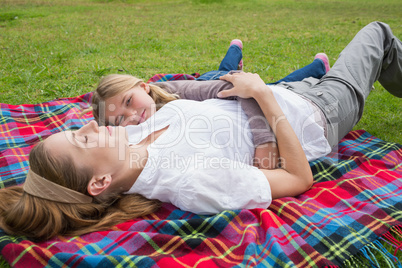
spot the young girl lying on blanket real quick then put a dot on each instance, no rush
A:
(126, 100)
(112, 101)
(196, 155)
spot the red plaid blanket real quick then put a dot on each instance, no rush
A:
(355, 203)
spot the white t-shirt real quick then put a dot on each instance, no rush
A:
(303, 118)
(202, 162)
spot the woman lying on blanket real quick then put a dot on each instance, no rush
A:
(196, 155)
(126, 100)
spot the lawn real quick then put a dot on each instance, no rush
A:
(60, 48)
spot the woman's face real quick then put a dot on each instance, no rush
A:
(102, 149)
(131, 107)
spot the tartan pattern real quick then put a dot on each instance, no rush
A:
(22, 126)
(355, 200)
(172, 77)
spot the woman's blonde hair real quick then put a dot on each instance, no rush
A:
(115, 84)
(40, 219)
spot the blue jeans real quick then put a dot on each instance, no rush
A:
(229, 63)
(315, 69)
(234, 54)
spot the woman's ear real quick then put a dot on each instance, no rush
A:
(98, 184)
(146, 87)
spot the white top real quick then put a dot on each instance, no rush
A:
(304, 120)
(202, 162)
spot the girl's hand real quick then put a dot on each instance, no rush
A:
(245, 85)
(266, 156)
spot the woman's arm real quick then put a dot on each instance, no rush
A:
(294, 176)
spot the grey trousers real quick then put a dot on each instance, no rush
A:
(373, 54)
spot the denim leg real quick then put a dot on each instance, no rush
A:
(231, 59)
(229, 63)
(315, 69)
(211, 75)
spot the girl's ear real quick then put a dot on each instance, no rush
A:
(98, 184)
(146, 87)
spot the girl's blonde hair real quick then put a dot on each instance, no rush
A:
(40, 219)
(115, 84)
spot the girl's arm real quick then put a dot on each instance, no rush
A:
(195, 90)
(294, 176)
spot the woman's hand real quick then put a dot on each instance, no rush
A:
(294, 175)
(245, 85)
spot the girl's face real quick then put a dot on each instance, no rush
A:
(131, 107)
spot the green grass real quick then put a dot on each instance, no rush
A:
(60, 48)
(3, 263)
